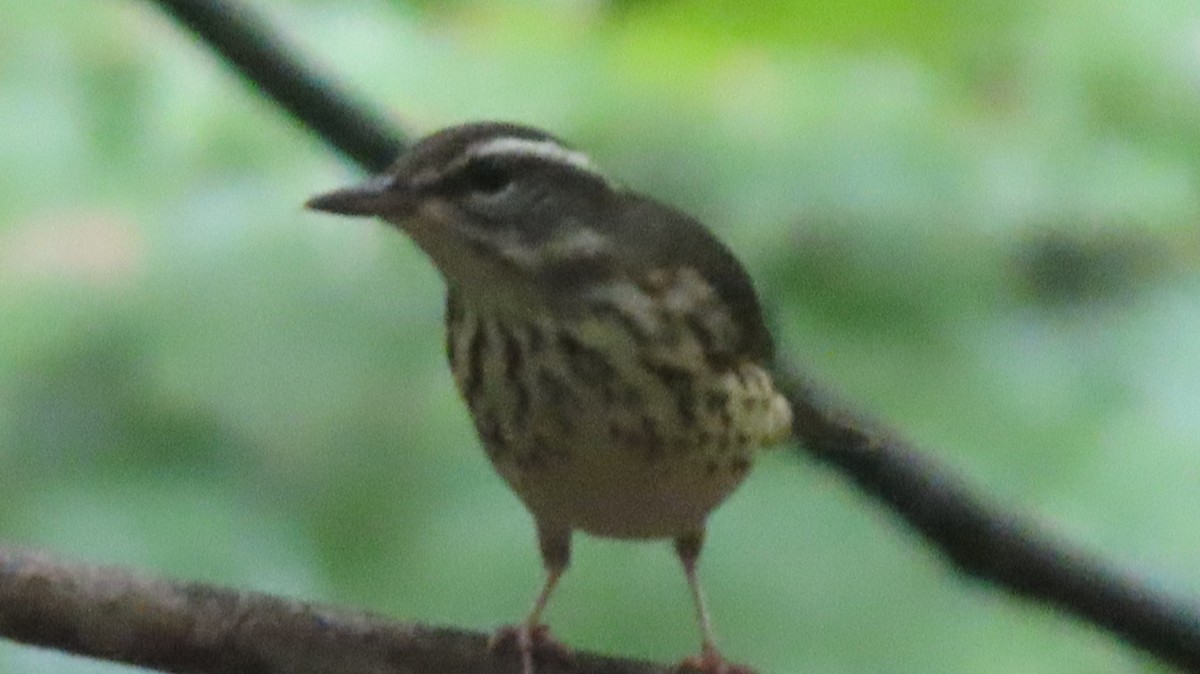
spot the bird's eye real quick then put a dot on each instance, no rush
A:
(487, 177)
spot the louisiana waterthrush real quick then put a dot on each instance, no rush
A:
(611, 350)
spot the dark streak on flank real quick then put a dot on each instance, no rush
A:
(552, 450)
(643, 438)
(587, 363)
(554, 388)
(553, 385)
(540, 453)
(716, 400)
(708, 341)
(454, 318)
(630, 325)
(653, 449)
(716, 355)
(536, 341)
(680, 383)
(514, 363)
(530, 461)
(474, 378)
(616, 432)
(492, 435)
(740, 466)
(631, 398)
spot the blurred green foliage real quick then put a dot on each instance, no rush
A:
(977, 219)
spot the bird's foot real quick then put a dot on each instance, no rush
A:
(710, 662)
(532, 643)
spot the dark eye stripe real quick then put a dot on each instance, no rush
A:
(486, 176)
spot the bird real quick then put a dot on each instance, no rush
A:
(612, 352)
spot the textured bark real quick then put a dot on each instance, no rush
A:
(192, 628)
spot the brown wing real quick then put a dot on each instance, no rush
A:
(655, 235)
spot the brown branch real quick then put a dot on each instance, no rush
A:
(192, 628)
(189, 628)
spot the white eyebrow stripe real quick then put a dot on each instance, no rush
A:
(526, 147)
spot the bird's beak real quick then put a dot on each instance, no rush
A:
(380, 195)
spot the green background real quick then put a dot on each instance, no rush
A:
(975, 219)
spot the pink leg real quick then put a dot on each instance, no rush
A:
(531, 637)
(710, 660)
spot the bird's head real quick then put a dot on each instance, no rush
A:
(503, 210)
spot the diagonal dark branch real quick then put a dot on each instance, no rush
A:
(984, 542)
(188, 628)
(981, 540)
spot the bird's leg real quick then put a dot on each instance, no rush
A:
(710, 660)
(531, 635)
